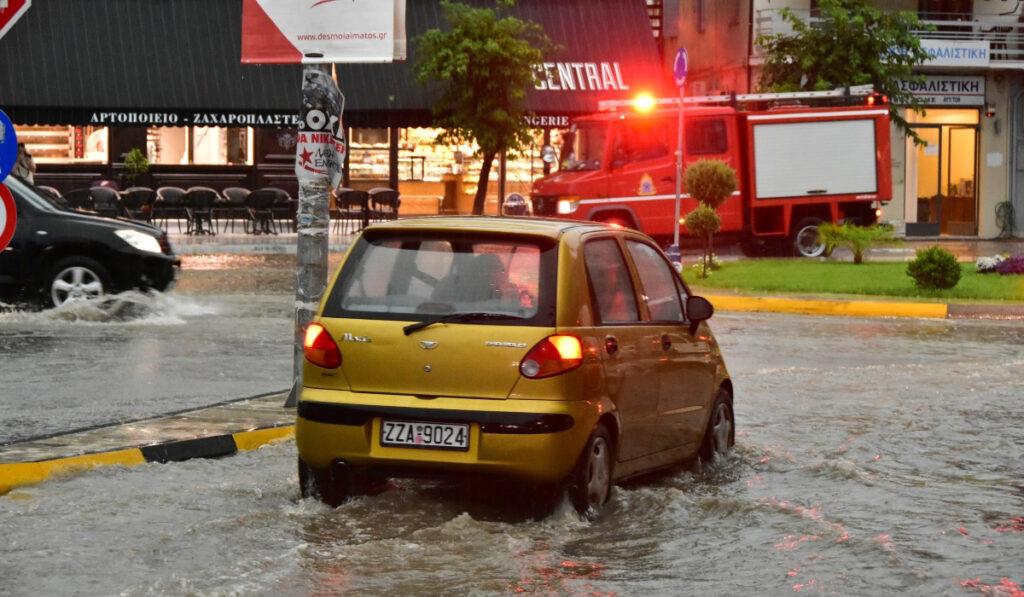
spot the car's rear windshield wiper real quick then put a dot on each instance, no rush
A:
(459, 317)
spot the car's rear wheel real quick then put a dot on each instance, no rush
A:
(590, 483)
(76, 279)
(720, 435)
(807, 241)
(321, 484)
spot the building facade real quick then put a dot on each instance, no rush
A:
(86, 81)
(968, 179)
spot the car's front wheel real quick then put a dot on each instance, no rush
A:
(720, 435)
(590, 484)
(76, 279)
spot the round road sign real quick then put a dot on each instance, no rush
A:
(8, 216)
(8, 146)
(680, 67)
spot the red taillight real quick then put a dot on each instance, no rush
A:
(319, 348)
(553, 355)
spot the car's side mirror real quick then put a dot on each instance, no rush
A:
(698, 309)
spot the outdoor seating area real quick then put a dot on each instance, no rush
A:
(202, 210)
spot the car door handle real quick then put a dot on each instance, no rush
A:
(611, 345)
(666, 343)
(667, 178)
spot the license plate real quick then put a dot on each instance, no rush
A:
(416, 434)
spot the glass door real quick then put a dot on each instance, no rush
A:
(942, 175)
(957, 217)
(923, 215)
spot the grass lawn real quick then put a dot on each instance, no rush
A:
(885, 279)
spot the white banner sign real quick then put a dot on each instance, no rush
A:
(948, 90)
(956, 53)
(322, 31)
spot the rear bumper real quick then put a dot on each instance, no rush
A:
(533, 440)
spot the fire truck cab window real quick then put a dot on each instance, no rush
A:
(588, 143)
(641, 141)
(706, 136)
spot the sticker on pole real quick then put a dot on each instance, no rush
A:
(320, 148)
(8, 216)
(8, 146)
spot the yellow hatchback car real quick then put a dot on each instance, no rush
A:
(546, 351)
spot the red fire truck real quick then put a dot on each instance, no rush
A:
(796, 166)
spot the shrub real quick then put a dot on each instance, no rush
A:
(703, 223)
(710, 181)
(934, 268)
(855, 238)
(1011, 265)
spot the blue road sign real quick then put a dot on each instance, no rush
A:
(8, 146)
(680, 67)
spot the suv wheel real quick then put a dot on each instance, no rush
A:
(76, 279)
(591, 481)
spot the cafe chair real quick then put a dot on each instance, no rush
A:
(53, 192)
(199, 205)
(384, 204)
(352, 211)
(285, 208)
(233, 206)
(260, 207)
(137, 203)
(169, 204)
(106, 201)
(78, 199)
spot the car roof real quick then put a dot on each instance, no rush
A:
(548, 227)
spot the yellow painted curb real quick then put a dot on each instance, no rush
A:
(820, 307)
(26, 473)
(250, 440)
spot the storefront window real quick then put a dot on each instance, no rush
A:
(199, 145)
(65, 144)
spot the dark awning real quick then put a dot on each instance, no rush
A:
(178, 62)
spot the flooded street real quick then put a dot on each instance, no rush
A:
(873, 457)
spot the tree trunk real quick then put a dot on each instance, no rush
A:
(481, 185)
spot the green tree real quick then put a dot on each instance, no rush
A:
(710, 182)
(850, 42)
(484, 64)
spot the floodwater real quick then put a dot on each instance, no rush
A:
(873, 457)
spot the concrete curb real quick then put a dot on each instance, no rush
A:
(26, 473)
(229, 427)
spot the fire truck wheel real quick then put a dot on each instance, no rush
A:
(806, 239)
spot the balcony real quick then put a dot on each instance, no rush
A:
(999, 37)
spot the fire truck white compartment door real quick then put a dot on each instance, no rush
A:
(808, 159)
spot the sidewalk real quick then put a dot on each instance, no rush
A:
(249, 423)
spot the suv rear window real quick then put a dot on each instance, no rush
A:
(391, 275)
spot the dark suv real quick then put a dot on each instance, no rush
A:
(58, 254)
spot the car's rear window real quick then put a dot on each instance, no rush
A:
(432, 275)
